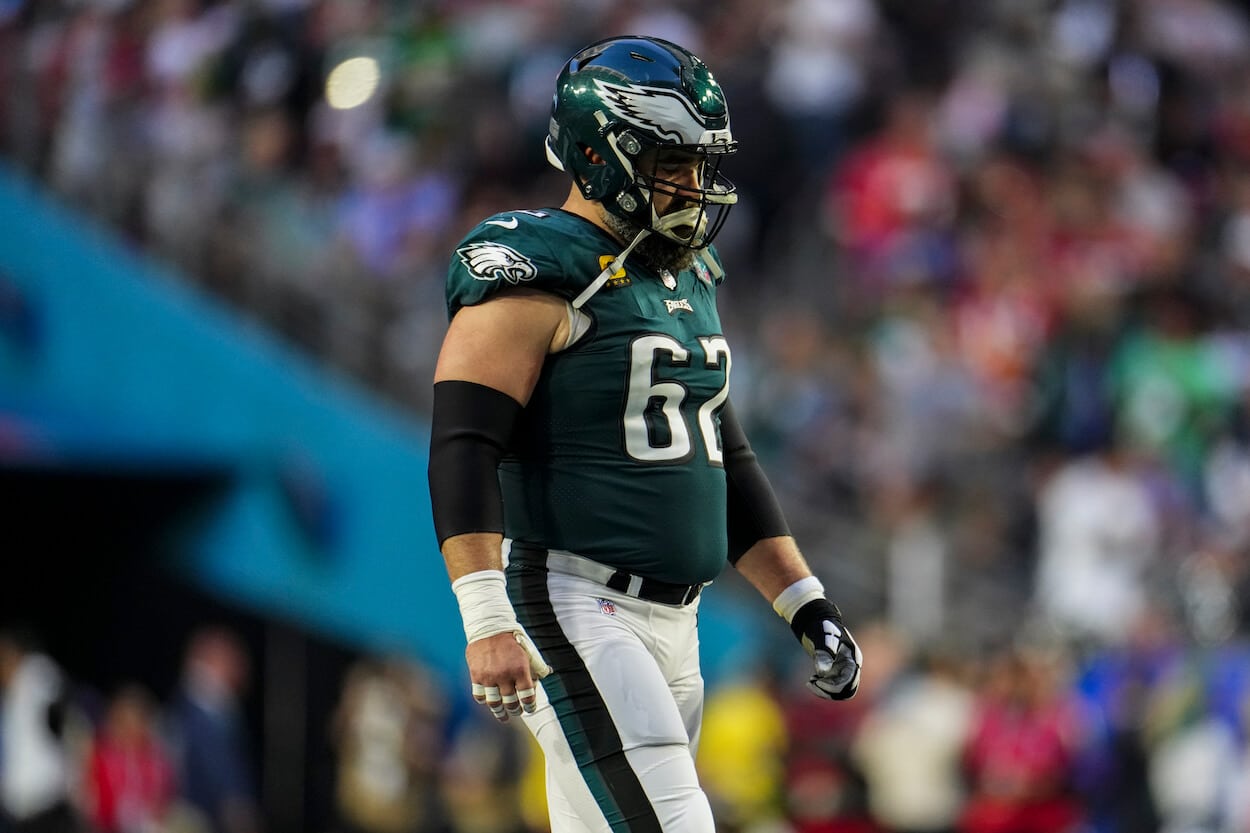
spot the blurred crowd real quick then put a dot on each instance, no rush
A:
(75, 758)
(989, 291)
(1030, 737)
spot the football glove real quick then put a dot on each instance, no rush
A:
(837, 659)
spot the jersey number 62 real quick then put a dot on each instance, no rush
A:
(655, 426)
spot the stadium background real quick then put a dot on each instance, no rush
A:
(990, 301)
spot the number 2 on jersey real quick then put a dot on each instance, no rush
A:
(656, 430)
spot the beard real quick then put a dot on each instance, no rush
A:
(656, 250)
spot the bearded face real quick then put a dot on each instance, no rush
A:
(657, 250)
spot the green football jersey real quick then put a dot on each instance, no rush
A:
(617, 456)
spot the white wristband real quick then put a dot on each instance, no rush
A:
(804, 590)
(484, 606)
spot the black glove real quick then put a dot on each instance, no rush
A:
(818, 626)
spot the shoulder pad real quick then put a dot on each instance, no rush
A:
(508, 250)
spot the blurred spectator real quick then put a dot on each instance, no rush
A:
(742, 748)
(95, 65)
(1073, 382)
(929, 414)
(823, 795)
(891, 201)
(820, 69)
(1099, 540)
(1173, 391)
(275, 249)
(1115, 683)
(1195, 758)
(1226, 477)
(399, 208)
(388, 737)
(209, 740)
(1206, 36)
(129, 775)
(825, 789)
(1003, 312)
(1230, 281)
(1148, 201)
(909, 747)
(481, 774)
(917, 559)
(797, 405)
(35, 772)
(1025, 737)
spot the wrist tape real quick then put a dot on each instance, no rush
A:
(484, 606)
(486, 611)
(804, 590)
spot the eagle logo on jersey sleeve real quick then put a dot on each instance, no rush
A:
(496, 262)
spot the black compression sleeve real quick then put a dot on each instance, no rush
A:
(754, 513)
(471, 427)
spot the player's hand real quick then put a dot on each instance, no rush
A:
(503, 669)
(818, 626)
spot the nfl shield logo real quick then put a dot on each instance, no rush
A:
(701, 271)
(606, 607)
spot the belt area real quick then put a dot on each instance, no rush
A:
(653, 590)
(622, 581)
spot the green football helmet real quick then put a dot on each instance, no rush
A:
(645, 106)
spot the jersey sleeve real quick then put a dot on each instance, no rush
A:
(505, 252)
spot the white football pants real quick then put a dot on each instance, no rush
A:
(618, 718)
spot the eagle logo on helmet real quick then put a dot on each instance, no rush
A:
(495, 262)
(661, 112)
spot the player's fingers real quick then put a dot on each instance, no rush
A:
(494, 702)
(843, 673)
(512, 704)
(839, 685)
(528, 698)
(479, 693)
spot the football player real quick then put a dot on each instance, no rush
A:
(587, 473)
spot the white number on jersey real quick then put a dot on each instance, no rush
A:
(646, 386)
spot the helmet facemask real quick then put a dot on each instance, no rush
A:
(677, 191)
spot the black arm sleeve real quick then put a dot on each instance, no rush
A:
(470, 431)
(754, 513)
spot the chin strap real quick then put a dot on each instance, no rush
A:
(694, 218)
(617, 264)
